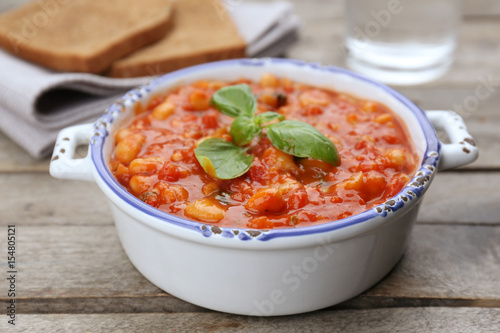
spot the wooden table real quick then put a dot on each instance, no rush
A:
(73, 276)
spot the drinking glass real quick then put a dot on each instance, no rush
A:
(401, 42)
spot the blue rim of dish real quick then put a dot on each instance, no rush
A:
(412, 191)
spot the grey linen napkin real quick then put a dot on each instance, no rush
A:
(36, 103)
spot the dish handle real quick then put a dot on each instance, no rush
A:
(462, 150)
(63, 165)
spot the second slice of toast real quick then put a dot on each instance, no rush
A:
(202, 32)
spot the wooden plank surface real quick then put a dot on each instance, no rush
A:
(462, 197)
(75, 269)
(15, 160)
(37, 198)
(408, 320)
(447, 261)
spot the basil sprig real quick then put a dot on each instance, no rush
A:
(228, 160)
(244, 129)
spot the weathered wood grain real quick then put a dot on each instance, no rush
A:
(38, 199)
(444, 262)
(406, 320)
(75, 261)
(14, 159)
(83, 269)
(462, 197)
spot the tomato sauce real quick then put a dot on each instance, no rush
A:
(154, 158)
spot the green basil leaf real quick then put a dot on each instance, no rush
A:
(234, 101)
(222, 159)
(268, 116)
(302, 140)
(243, 130)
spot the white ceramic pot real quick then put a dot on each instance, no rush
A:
(274, 272)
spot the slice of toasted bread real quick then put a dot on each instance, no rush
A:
(203, 31)
(83, 35)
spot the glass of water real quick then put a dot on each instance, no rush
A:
(401, 42)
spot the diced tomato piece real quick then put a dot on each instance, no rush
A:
(257, 171)
(343, 215)
(336, 199)
(396, 184)
(240, 185)
(209, 119)
(360, 145)
(168, 194)
(297, 199)
(185, 155)
(155, 101)
(315, 196)
(171, 172)
(150, 197)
